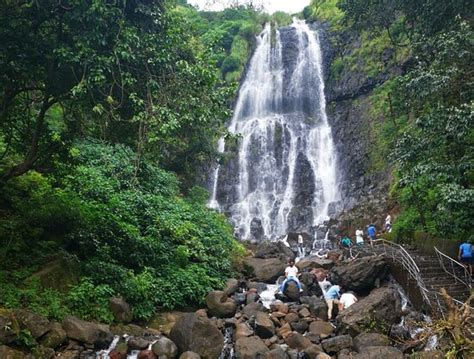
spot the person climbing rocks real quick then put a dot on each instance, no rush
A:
(388, 223)
(345, 242)
(291, 273)
(359, 237)
(346, 300)
(300, 245)
(332, 297)
(465, 255)
(371, 232)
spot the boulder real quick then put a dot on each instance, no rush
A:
(292, 291)
(265, 269)
(164, 321)
(268, 249)
(321, 328)
(379, 310)
(300, 326)
(10, 353)
(284, 330)
(250, 348)
(98, 335)
(311, 262)
(364, 340)
(119, 352)
(120, 310)
(334, 345)
(189, 355)
(252, 309)
(361, 273)
(379, 352)
(313, 351)
(54, 337)
(219, 305)
(251, 297)
(279, 306)
(135, 343)
(231, 286)
(164, 348)
(297, 341)
(36, 324)
(264, 326)
(129, 329)
(276, 353)
(242, 330)
(9, 326)
(146, 354)
(317, 306)
(197, 334)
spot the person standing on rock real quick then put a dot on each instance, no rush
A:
(371, 232)
(300, 246)
(332, 297)
(359, 237)
(388, 223)
(466, 256)
(346, 300)
(291, 273)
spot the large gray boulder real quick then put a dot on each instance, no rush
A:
(311, 262)
(98, 335)
(378, 311)
(268, 249)
(250, 348)
(197, 334)
(264, 326)
(317, 306)
(34, 323)
(164, 348)
(336, 344)
(364, 340)
(54, 337)
(220, 305)
(265, 269)
(361, 273)
(376, 352)
(292, 291)
(120, 309)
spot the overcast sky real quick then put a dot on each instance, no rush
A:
(289, 6)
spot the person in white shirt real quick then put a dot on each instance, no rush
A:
(359, 236)
(291, 273)
(346, 300)
(388, 223)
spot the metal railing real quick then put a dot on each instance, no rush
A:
(400, 255)
(455, 269)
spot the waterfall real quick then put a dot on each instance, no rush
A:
(282, 176)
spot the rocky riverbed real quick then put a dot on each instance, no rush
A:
(235, 323)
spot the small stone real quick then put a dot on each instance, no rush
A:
(284, 330)
(304, 313)
(291, 317)
(279, 306)
(264, 327)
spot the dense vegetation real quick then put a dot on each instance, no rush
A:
(109, 112)
(422, 119)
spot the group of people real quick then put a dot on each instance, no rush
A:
(346, 242)
(333, 294)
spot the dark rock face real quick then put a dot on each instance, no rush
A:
(266, 270)
(317, 306)
(121, 310)
(334, 345)
(197, 334)
(380, 309)
(269, 249)
(36, 324)
(87, 332)
(54, 337)
(361, 273)
(364, 340)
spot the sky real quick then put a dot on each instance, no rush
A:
(289, 6)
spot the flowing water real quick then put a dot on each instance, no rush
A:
(282, 177)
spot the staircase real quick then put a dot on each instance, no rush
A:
(430, 272)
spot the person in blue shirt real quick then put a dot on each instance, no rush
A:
(371, 232)
(332, 297)
(465, 255)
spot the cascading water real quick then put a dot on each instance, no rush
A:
(283, 177)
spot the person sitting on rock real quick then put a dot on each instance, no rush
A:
(346, 300)
(332, 297)
(291, 273)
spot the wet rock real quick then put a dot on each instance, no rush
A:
(54, 337)
(10, 353)
(379, 310)
(197, 334)
(219, 305)
(120, 310)
(379, 352)
(276, 353)
(239, 298)
(129, 329)
(266, 270)
(231, 286)
(87, 332)
(34, 323)
(252, 297)
(119, 352)
(138, 343)
(256, 229)
(297, 341)
(264, 327)
(242, 330)
(250, 348)
(313, 351)
(299, 326)
(334, 345)
(317, 306)
(252, 309)
(190, 355)
(311, 262)
(361, 273)
(10, 328)
(259, 286)
(370, 339)
(268, 249)
(164, 348)
(321, 328)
